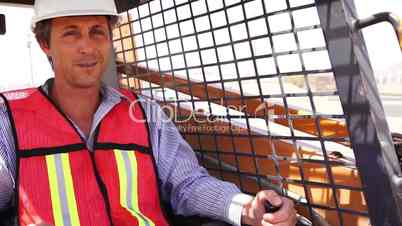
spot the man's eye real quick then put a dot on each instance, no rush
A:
(98, 32)
(69, 33)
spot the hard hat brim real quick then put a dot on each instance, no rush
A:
(65, 13)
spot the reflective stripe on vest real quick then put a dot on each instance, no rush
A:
(62, 190)
(128, 177)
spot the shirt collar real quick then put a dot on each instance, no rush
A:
(108, 93)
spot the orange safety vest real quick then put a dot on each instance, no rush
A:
(61, 183)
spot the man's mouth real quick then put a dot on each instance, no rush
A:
(87, 64)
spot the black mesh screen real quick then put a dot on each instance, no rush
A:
(250, 86)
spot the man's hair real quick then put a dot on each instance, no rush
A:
(43, 29)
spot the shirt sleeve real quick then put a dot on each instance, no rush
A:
(7, 159)
(236, 207)
(185, 184)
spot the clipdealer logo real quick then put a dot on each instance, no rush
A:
(198, 120)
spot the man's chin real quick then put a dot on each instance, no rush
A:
(87, 82)
(86, 85)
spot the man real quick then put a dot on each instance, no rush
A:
(72, 155)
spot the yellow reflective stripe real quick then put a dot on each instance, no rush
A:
(135, 203)
(64, 205)
(54, 191)
(123, 178)
(71, 200)
(133, 161)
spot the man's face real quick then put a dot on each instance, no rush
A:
(80, 49)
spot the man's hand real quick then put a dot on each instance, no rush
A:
(254, 212)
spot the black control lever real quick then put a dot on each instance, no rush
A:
(269, 208)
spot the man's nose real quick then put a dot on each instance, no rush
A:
(86, 45)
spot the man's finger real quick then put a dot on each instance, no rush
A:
(264, 223)
(269, 196)
(286, 212)
(291, 221)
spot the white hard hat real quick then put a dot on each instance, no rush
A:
(48, 9)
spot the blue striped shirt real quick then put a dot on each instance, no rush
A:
(184, 183)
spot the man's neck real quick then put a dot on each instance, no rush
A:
(79, 104)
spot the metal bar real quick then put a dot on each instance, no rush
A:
(139, 72)
(17, 2)
(2, 24)
(368, 130)
(378, 18)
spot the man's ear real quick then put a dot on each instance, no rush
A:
(45, 47)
